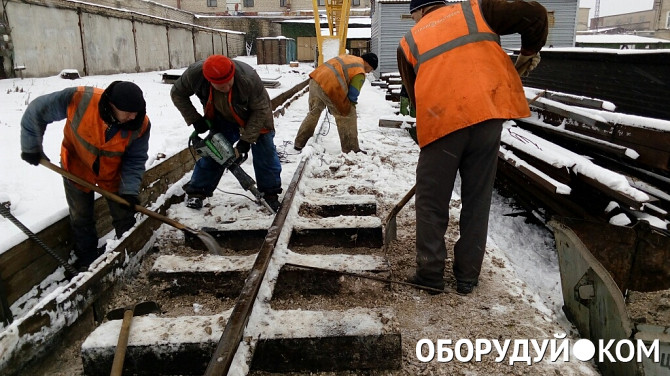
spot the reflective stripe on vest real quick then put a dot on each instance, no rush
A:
(463, 76)
(85, 143)
(344, 83)
(334, 77)
(76, 122)
(474, 35)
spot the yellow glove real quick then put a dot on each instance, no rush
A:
(526, 63)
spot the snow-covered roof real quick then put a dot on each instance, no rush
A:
(618, 38)
(352, 20)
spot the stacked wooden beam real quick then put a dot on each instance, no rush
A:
(587, 161)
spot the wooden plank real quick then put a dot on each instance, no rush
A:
(391, 123)
(588, 142)
(574, 122)
(73, 301)
(615, 194)
(26, 265)
(596, 104)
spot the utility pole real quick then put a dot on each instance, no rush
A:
(596, 15)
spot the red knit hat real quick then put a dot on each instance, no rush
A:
(218, 69)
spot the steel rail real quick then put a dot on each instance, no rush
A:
(230, 340)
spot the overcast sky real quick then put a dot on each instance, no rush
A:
(610, 7)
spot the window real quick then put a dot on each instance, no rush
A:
(248, 3)
(282, 3)
(321, 3)
(667, 21)
(211, 3)
(356, 2)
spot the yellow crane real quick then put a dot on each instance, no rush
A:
(337, 12)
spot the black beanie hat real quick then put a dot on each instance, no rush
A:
(417, 4)
(371, 59)
(126, 96)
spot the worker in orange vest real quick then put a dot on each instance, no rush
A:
(336, 85)
(106, 139)
(464, 87)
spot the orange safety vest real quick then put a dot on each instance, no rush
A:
(334, 77)
(463, 76)
(84, 141)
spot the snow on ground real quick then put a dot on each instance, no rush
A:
(37, 197)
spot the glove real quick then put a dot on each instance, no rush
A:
(201, 125)
(33, 158)
(132, 200)
(242, 147)
(526, 63)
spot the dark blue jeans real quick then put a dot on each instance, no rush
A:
(207, 173)
(82, 220)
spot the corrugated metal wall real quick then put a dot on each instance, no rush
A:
(562, 25)
(388, 28)
(386, 31)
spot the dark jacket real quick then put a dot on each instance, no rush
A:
(250, 100)
(53, 107)
(504, 17)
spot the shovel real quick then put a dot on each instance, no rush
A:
(127, 315)
(207, 239)
(390, 224)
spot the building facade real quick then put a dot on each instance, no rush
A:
(391, 20)
(653, 23)
(258, 7)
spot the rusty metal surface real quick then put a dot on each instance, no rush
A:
(636, 83)
(232, 335)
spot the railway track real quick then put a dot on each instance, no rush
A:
(268, 306)
(270, 271)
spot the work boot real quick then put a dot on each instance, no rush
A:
(85, 259)
(416, 280)
(194, 202)
(464, 288)
(273, 201)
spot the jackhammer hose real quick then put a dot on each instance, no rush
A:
(4, 210)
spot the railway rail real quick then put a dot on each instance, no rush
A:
(269, 303)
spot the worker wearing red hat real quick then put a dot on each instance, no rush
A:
(236, 104)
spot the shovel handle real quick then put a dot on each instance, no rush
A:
(401, 204)
(115, 197)
(122, 344)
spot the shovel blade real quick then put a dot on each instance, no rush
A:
(391, 231)
(139, 309)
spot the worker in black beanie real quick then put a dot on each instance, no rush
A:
(335, 85)
(106, 140)
(371, 59)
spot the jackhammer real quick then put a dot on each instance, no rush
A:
(215, 146)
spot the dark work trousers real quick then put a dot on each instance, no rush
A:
(473, 152)
(82, 221)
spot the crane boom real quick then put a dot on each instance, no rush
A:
(337, 13)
